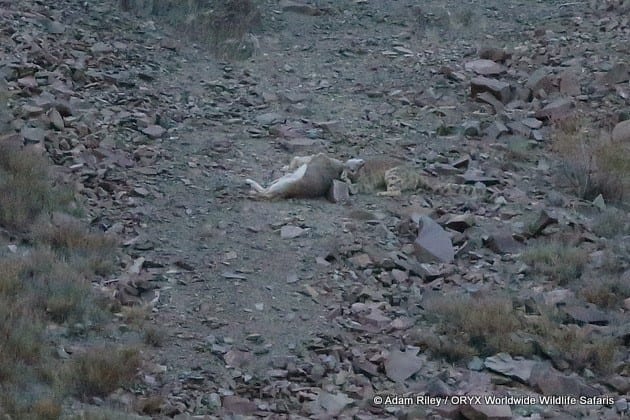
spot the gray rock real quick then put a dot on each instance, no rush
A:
(33, 134)
(557, 109)
(432, 242)
(621, 132)
(484, 67)
(501, 90)
(504, 364)
(588, 314)
(549, 381)
(338, 192)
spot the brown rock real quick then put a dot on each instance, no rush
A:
(621, 132)
(234, 404)
(460, 222)
(503, 243)
(499, 89)
(494, 54)
(551, 382)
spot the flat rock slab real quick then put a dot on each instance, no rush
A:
(433, 243)
(499, 89)
(504, 364)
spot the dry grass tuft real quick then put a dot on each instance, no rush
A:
(88, 252)
(24, 186)
(48, 280)
(592, 163)
(607, 292)
(101, 370)
(482, 326)
(558, 261)
(578, 346)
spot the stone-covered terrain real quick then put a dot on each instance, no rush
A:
(313, 309)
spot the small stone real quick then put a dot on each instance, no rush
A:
(471, 128)
(154, 131)
(621, 405)
(338, 192)
(290, 231)
(56, 120)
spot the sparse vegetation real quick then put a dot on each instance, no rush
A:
(481, 326)
(464, 326)
(579, 347)
(48, 280)
(611, 223)
(154, 336)
(101, 370)
(225, 27)
(24, 187)
(592, 163)
(560, 262)
(607, 292)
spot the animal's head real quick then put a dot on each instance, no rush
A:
(351, 167)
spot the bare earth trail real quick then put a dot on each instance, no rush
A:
(278, 322)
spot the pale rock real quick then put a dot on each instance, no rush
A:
(290, 231)
(484, 67)
(621, 132)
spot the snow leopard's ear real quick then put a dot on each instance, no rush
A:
(353, 165)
